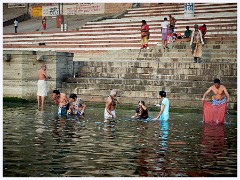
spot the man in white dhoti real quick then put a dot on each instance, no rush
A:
(109, 112)
(42, 85)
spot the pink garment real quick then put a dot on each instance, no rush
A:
(214, 113)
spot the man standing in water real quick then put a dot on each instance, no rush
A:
(163, 115)
(109, 112)
(42, 85)
(221, 95)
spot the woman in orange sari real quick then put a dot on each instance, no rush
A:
(144, 34)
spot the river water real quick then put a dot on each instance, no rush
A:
(42, 144)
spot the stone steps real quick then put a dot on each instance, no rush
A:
(124, 33)
(139, 84)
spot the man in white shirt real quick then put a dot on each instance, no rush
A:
(164, 30)
(15, 25)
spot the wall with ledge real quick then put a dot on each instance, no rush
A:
(20, 71)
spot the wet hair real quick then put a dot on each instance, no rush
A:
(162, 93)
(143, 21)
(141, 102)
(73, 96)
(56, 91)
(216, 81)
(165, 19)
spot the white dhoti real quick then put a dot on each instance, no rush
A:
(42, 88)
(109, 116)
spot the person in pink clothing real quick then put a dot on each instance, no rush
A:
(144, 34)
(44, 23)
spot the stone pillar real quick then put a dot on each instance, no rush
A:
(188, 10)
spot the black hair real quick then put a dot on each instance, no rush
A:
(74, 96)
(165, 19)
(141, 102)
(187, 27)
(162, 93)
(216, 81)
(143, 21)
(204, 25)
(56, 91)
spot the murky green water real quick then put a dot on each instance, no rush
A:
(39, 144)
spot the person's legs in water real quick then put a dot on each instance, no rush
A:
(42, 98)
(38, 100)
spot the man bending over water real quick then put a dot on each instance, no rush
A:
(109, 112)
(221, 95)
(60, 99)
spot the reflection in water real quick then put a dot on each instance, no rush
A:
(142, 150)
(213, 141)
(160, 169)
(163, 136)
(42, 144)
(151, 157)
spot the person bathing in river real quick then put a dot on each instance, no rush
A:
(76, 106)
(220, 93)
(163, 115)
(60, 99)
(109, 112)
(141, 111)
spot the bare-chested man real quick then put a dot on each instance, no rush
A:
(220, 93)
(42, 85)
(61, 100)
(109, 112)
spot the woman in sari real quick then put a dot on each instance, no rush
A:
(144, 34)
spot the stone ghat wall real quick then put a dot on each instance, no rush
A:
(20, 71)
(184, 82)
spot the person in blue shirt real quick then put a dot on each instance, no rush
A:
(164, 112)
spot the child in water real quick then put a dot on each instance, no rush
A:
(76, 106)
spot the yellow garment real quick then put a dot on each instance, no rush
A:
(198, 50)
(144, 41)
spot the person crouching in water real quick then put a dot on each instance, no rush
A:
(109, 112)
(60, 100)
(76, 106)
(163, 115)
(141, 111)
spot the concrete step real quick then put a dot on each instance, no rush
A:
(180, 12)
(149, 73)
(79, 82)
(141, 94)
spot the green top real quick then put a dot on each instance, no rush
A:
(188, 33)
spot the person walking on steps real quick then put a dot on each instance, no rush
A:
(196, 44)
(164, 30)
(144, 35)
(15, 25)
(44, 23)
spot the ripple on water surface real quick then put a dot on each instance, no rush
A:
(42, 144)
